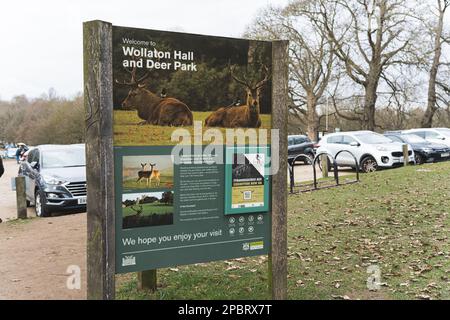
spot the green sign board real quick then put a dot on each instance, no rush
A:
(185, 192)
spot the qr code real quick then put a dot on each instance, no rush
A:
(247, 195)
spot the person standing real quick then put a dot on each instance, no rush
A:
(20, 152)
(2, 168)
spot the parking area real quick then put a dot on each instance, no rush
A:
(37, 252)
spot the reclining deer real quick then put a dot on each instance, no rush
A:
(243, 116)
(154, 109)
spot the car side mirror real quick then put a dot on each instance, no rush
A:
(442, 138)
(354, 144)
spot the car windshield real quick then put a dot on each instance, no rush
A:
(412, 138)
(372, 138)
(63, 158)
(444, 131)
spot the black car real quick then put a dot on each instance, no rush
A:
(300, 144)
(424, 151)
(55, 178)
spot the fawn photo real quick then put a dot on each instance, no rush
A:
(147, 172)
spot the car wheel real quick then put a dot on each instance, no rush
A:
(369, 164)
(40, 207)
(418, 158)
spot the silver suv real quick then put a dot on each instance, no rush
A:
(371, 150)
(55, 177)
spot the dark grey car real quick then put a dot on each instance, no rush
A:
(300, 144)
(55, 178)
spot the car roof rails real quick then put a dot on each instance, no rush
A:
(393, 131)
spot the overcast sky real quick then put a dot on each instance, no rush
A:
(41, 41)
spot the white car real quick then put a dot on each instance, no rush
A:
(372, 150)
(434, 135)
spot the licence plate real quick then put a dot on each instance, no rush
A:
(82, 200)
(445, 155)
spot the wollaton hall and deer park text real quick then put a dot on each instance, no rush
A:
(158, 60)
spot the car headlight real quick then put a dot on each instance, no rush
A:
(53, 180)
(382, 149)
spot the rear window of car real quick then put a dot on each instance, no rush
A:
(334, 139)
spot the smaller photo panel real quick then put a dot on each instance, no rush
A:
(147, 209)
(147, 172)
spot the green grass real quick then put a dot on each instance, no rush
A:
(149, 209)
(165, 182)
(396, 219)
(128, 133)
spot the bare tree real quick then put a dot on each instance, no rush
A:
(311, 56)
(369, 37)
(432, 105)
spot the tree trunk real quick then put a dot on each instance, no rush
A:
(370, 100)
(427, 120)
(313, 118)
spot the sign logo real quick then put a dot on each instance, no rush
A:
(246, 246)
(128, 261)
(257, 245)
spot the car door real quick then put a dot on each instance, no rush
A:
(299, 144)
(334, 144)
(344, 158)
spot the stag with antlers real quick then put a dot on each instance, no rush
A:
(242, 116)
(154, 109)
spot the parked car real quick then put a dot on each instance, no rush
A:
(300, 144)
(424, 151)
(55, 178)
(434, 135)
(371, 150)
(11, 153)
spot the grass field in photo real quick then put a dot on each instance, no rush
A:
(127, 132)
(149, 209)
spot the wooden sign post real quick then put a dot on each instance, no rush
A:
(278, 255)
(98, 102)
